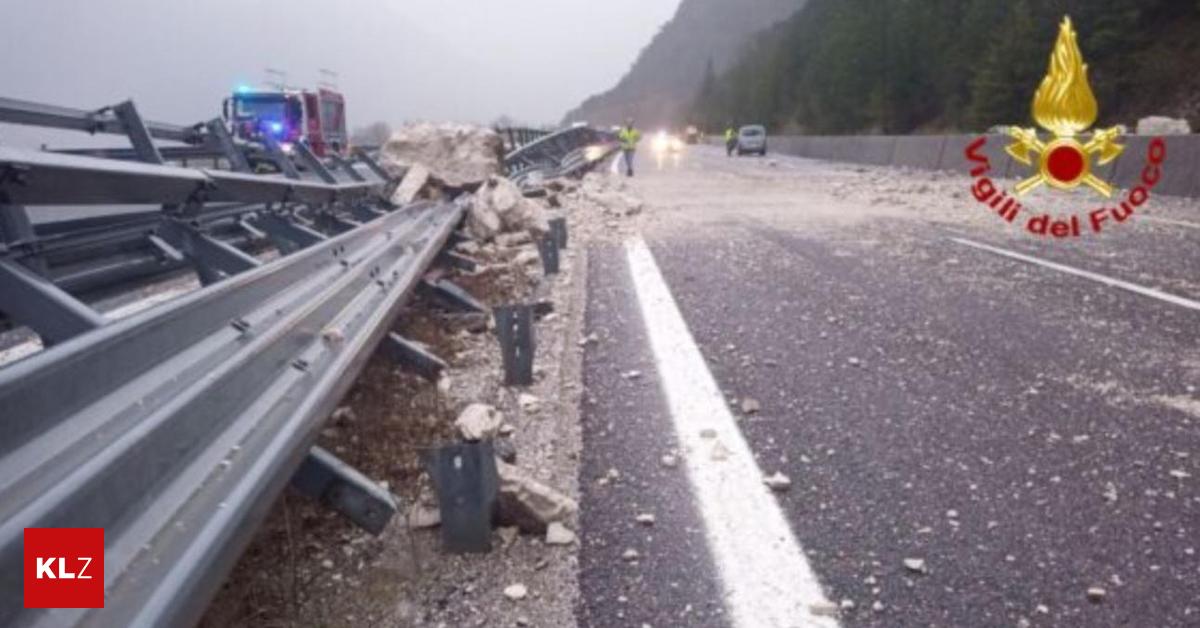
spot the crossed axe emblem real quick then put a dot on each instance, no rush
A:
(1064, 162)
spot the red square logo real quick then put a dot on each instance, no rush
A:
(64, 567)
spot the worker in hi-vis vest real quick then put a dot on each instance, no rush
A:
(730, 140)
(629, 138)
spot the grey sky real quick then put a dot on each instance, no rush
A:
(398, 59)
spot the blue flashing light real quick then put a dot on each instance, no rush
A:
(277, 127)
(243, 89)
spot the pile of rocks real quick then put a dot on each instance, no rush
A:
(463, 163)
(597, 192)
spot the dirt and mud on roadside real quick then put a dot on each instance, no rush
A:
(309, 566)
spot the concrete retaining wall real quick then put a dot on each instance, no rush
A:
(1181, 172)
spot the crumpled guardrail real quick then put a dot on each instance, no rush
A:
(569, 152)
(174, 429)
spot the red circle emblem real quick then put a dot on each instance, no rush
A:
(1066, 163)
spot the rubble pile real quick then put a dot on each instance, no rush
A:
(498, 206)
(533, 430)
(598, 192)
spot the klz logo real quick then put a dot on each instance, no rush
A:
(64, 567)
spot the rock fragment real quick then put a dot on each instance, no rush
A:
(630, 555)
(410, 187)
(915, 565)
(421, 517)
(750, 406)
(516, 592)
(479, 421)
(528, 402)
(1096, 595)
(645, 519)
(778, 482)
(559, 534)
(824, 608)
(527, 503)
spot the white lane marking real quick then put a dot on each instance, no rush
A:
(768, 581)
(1062, 268)
(1169, 221)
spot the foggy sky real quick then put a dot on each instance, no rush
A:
(398, 60)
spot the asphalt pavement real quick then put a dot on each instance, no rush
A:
(972, 439)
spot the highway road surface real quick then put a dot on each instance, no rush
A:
(980, 427)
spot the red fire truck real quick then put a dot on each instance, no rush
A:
(318, 118)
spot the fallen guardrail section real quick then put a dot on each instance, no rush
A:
(516, 137)
(569, 152)
(1181, 177)
(175, 427)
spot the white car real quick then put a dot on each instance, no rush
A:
(752, 139)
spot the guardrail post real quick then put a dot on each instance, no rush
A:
(467, 483)
(139, 135)
(548, 251)
(514, 330)
(558, 229)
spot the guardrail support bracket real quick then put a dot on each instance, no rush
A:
(450, 259)
(323, 476)
(452, 297)
(414, 356)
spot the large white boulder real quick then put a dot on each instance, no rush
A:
(1162, 125)
(457, 155)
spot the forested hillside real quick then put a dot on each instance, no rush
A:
(659, 88)
(903, 66)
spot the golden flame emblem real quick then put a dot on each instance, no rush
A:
(1065, 106)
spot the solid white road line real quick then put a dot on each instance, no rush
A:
(1170, 221)
(768, 582)
(1062, 268)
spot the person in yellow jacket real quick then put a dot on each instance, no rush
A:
(629, 138)
(730, 141)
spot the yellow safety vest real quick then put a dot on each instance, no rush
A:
(728, 134)
(629, 138)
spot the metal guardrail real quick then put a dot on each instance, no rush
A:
(174, 428)
(568, 152)
(516, 137)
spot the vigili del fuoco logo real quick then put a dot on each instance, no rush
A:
(1066, 107)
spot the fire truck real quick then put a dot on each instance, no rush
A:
(318, 118)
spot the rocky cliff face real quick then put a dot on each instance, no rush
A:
(666, 76)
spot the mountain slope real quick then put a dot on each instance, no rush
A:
(851, 66)
(668, 73)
